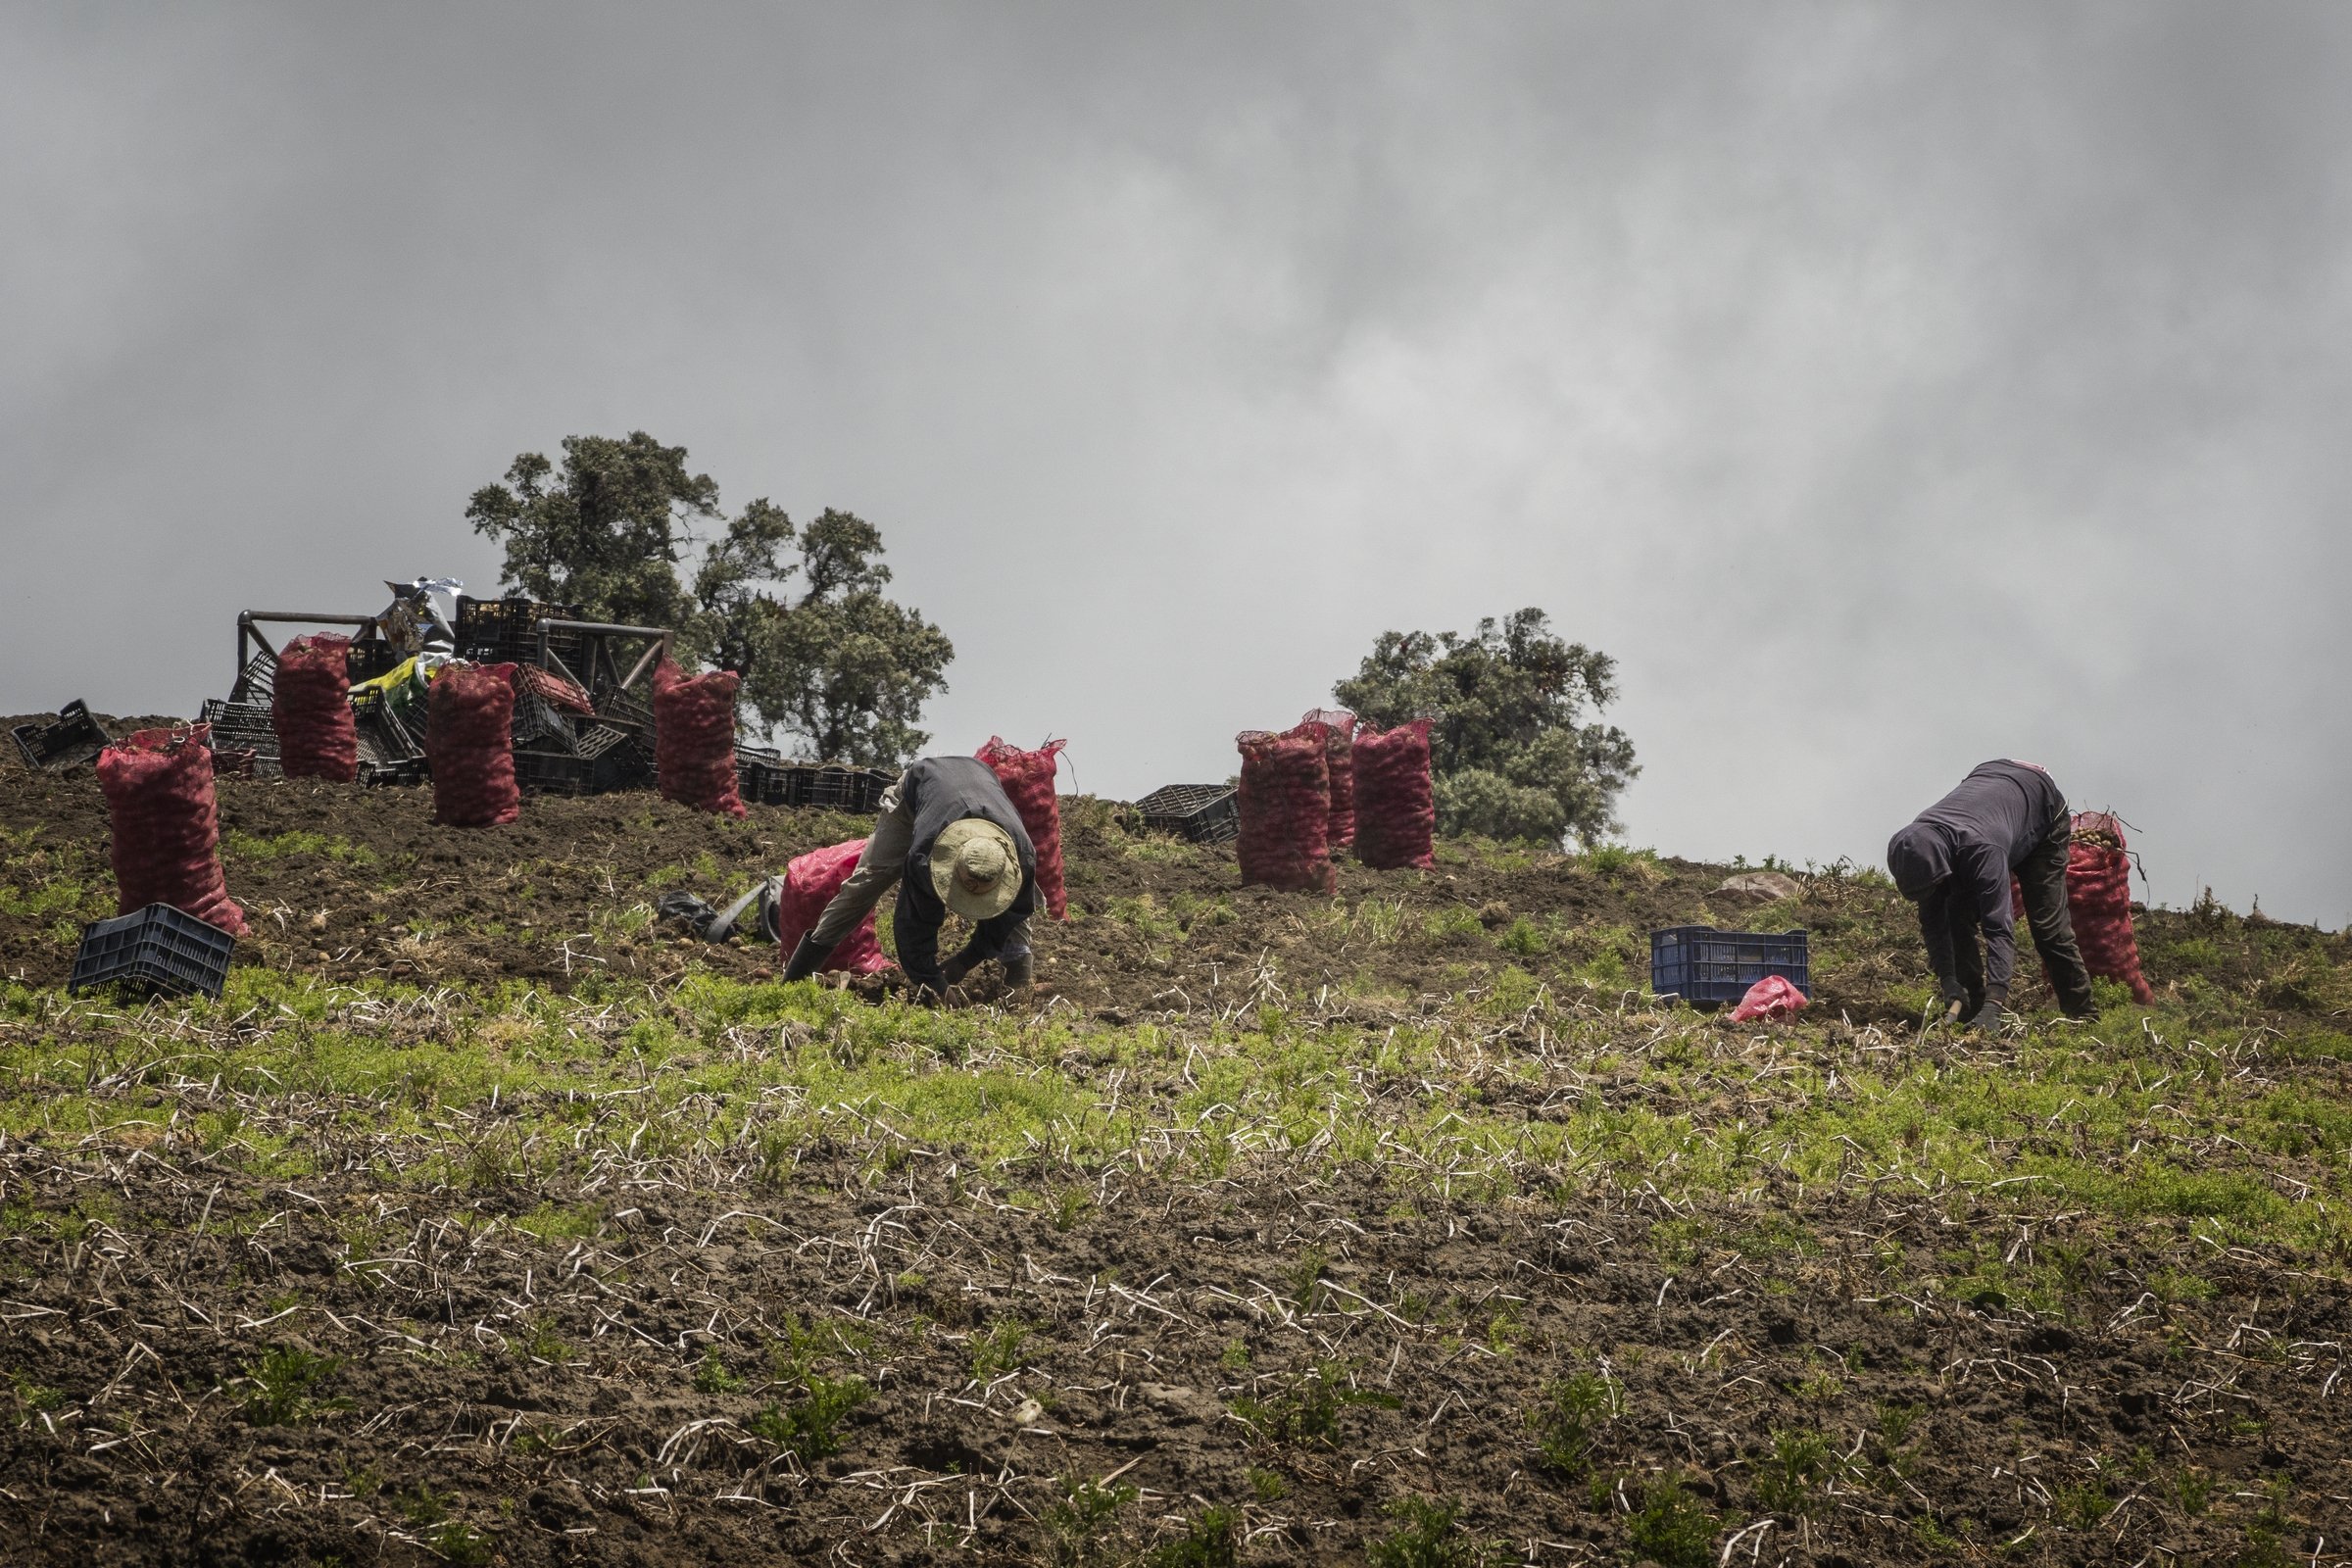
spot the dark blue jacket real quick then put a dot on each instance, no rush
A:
(1962, 849)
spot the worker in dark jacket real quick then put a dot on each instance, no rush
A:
(1955, 861)
(951, 841)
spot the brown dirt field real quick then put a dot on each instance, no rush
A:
(604, 1367)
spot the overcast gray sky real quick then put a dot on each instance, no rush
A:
(1886, 388)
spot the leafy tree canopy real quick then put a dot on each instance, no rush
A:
(831, 661)
(1510, 753)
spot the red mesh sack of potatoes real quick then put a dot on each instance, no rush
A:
(694, 738)
(2098, 901)
(2098, 896)
(1286, 811)
(1028, 780)
(1396, 808)
(469, 743)
(1338, 728)
(809, 882)
(310, 707)
(167, 825)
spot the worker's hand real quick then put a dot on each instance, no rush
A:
(955, 969)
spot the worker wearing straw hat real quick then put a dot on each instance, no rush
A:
(951, 840)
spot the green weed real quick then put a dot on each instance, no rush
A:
(1430, 1536)
(1076, 1524)
(1212, 1539)
(811, 1429)
(1568, 1422)
(996, 1348)
(279, 1388)
(1306, 1409)
(1788, 1477)
(1672, 1528)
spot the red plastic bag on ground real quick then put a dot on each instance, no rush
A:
(310, 707)
(167, 825)
(1286, 811)
(1396, 808)
(2098, 894)
(1338, 728)
(810, 883)
(1768, 997)
(694, 738)
(1028, 780)
(469, 743)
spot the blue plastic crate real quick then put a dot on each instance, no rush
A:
(1708, 968)
(159, 947)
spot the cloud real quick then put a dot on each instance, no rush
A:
(1886, 389)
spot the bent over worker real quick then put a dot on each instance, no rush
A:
(951, 841)
(1954, 861)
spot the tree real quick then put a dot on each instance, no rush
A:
(608, 534)
(842, 666)
(846, 667)
(1510, 753)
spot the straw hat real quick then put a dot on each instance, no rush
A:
(975, 868)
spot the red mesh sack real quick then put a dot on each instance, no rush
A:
(1286, 811)
(1028, 780)
(810, 883)
(694, 738)
(2098, 894)
(2098, 901)
(1396, 808)
(167, 825)
(310, 707)
(1338, 728)
(470, 743)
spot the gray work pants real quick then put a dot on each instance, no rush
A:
(879, 868)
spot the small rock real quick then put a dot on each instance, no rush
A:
(1761, 887)
(1177, 1403)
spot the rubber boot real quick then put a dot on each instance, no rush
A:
(807, 958)
(1020, 971)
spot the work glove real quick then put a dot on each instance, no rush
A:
(807, 958)
(955, 969)
(1991, 1015)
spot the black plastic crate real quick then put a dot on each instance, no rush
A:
(764, 780)
(371, 656)
(846, 789)
(1708, 968)
(159, 949)
(407, 770)
(1206, 813)
(603, 760)
(499, 631)
(541, 726)
(616, 759)
(626, 709)
(389, 750)
(256, 682)
(243, 727)
(73, 739)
